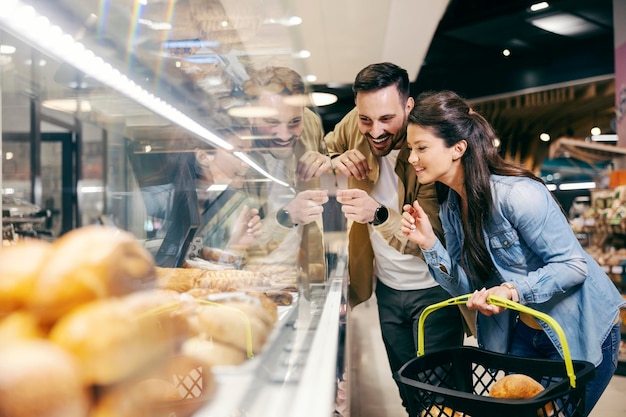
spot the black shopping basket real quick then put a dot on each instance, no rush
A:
(455, 382)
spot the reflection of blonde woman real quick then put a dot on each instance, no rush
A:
(506, 235)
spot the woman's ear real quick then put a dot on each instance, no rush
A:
(459, 149)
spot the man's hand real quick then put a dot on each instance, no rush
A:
(307, 206)
(312, 165)
(357, 205)
(416, 226)
(352, 163)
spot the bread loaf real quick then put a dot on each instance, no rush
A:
(520, 386)
(89, 263)
(213, 352)
(115, 338)
(39, 379)
(515, 386)
(178, 387)
(19, 326)
(235, 324)
(439, 411)
(20, 265)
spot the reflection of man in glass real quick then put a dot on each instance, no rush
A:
(290, 138)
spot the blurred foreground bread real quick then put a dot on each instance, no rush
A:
(178, 387)
(20, 266)
(115, 338)
(39, 379)
(88, 263)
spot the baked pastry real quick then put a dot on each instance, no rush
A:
(235, 323)
(19, 267)
(39, 379)
(438, 411)
(520, 386)
(19, 326)
(115, 338)
(515, 386)
(213, 352)
(88, 263)
(177, 387)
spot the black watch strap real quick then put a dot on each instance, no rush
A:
(380, 215)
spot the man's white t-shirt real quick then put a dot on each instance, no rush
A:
(396, 270)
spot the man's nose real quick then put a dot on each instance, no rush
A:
(282, 132)
(377, 130)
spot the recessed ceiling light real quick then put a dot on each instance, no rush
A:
(7, 49)
(565, 24)
(539, 6)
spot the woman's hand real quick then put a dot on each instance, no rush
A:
(478, 300)
(416, 226)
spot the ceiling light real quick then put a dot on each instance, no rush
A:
(323, 99)
(577, 186)
(506, 52)
(301, 54)
(544, 137)
(539, 6)
(313, 99)
(7, 49)
(285, 21)
(67, 105)
(252, 111)
(595, 131)
(565, 24)
(604, 138)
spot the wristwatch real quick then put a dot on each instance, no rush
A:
(284, 218)
(380, 215)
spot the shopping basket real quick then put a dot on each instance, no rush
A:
(455, 382)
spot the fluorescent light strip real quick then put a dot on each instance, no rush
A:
(577, 186)
(24, 21)
(604, 138)
(260, 170)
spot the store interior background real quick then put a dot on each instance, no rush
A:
(560, 84)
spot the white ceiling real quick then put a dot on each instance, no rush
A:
(344, 36)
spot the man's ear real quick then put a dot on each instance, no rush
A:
(410, 103)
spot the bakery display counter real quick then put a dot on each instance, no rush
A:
(109, 325)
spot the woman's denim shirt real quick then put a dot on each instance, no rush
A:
(532, 246)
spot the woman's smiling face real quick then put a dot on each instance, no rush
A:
(430, 157)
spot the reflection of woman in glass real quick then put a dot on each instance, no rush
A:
(202, 198)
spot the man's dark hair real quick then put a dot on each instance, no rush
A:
(385, 74)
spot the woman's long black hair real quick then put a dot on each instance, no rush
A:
(450, 118)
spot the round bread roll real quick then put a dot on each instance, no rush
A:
(235, 324)
(39, 379)
(213, 352)
(515, 386)
(117, 337)
(19, 326)
(19, 267)
(438, 411)
(177, 387)
(89, 263)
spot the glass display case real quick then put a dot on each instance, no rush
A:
(159, 117)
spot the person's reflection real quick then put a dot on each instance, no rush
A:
(290, 138)
(204, 199)
(229, 220)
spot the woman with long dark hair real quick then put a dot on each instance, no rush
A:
(507, 235)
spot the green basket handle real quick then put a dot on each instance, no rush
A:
(506, 303)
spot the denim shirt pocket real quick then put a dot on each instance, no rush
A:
(506, 247)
